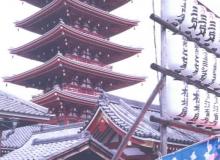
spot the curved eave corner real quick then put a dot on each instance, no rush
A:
(87, 8)
(77, 98)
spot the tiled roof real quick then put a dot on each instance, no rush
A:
(18, 108)
(122, 113)
(51, 143)
(21, 135)
(90, 100)
(132, 103)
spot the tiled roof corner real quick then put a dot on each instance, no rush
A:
(14, 106)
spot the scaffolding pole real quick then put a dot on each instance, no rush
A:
(162, 97)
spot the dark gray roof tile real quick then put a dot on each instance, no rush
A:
(13, 106)
(50, 143)
(123, 112)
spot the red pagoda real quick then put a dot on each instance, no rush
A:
(76, 52)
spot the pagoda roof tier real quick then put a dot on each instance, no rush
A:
(65, 35)
(60, 64)
(108, 5)
(70, 10)
(55, 96)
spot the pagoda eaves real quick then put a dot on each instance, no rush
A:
(108, 5)
(74, 106)
(72, 10)
(56, 95)
(60, 65)
(65, 35)
(76, 51)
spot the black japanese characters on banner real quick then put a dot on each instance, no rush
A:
(186, 102)
(192, 105)
(188, 59)
(196, 21)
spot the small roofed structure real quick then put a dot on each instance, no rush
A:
(15, 112)
(116, 115)
(100, 137)
(63, 142)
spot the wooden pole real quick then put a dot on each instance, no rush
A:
(162, 97)
(1, 142)
(125, 140)
(178, 124)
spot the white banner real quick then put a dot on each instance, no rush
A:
(176, 98)
(210, 29)
(189, 23)
(193, 104)
(177, 50)
(200, 30)
(175, 11)
(216, 44)
(216, 84)
(186, 102)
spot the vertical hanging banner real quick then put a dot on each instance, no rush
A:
(209, 71)
(200, 30)
(177, 50)
(210, 34)
(189, 23)
(212, 112)
(205, 150)
(216, 84)
(192, 60)
(176, 98)
(215, 45)
(203, 108)
(175, 12)
(202, 65)
(186, 102)
(193, 105)
(215, 115)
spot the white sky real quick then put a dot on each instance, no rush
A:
(141, 36)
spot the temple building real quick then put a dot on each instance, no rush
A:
(15, 112)
(74, 76)
(76, 53)
(99, 138)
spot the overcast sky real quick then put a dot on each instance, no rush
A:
(141, 36)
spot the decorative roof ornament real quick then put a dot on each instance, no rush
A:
(103, 98)
(59, 53)
(61, 21)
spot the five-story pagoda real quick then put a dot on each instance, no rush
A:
(76, 52)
